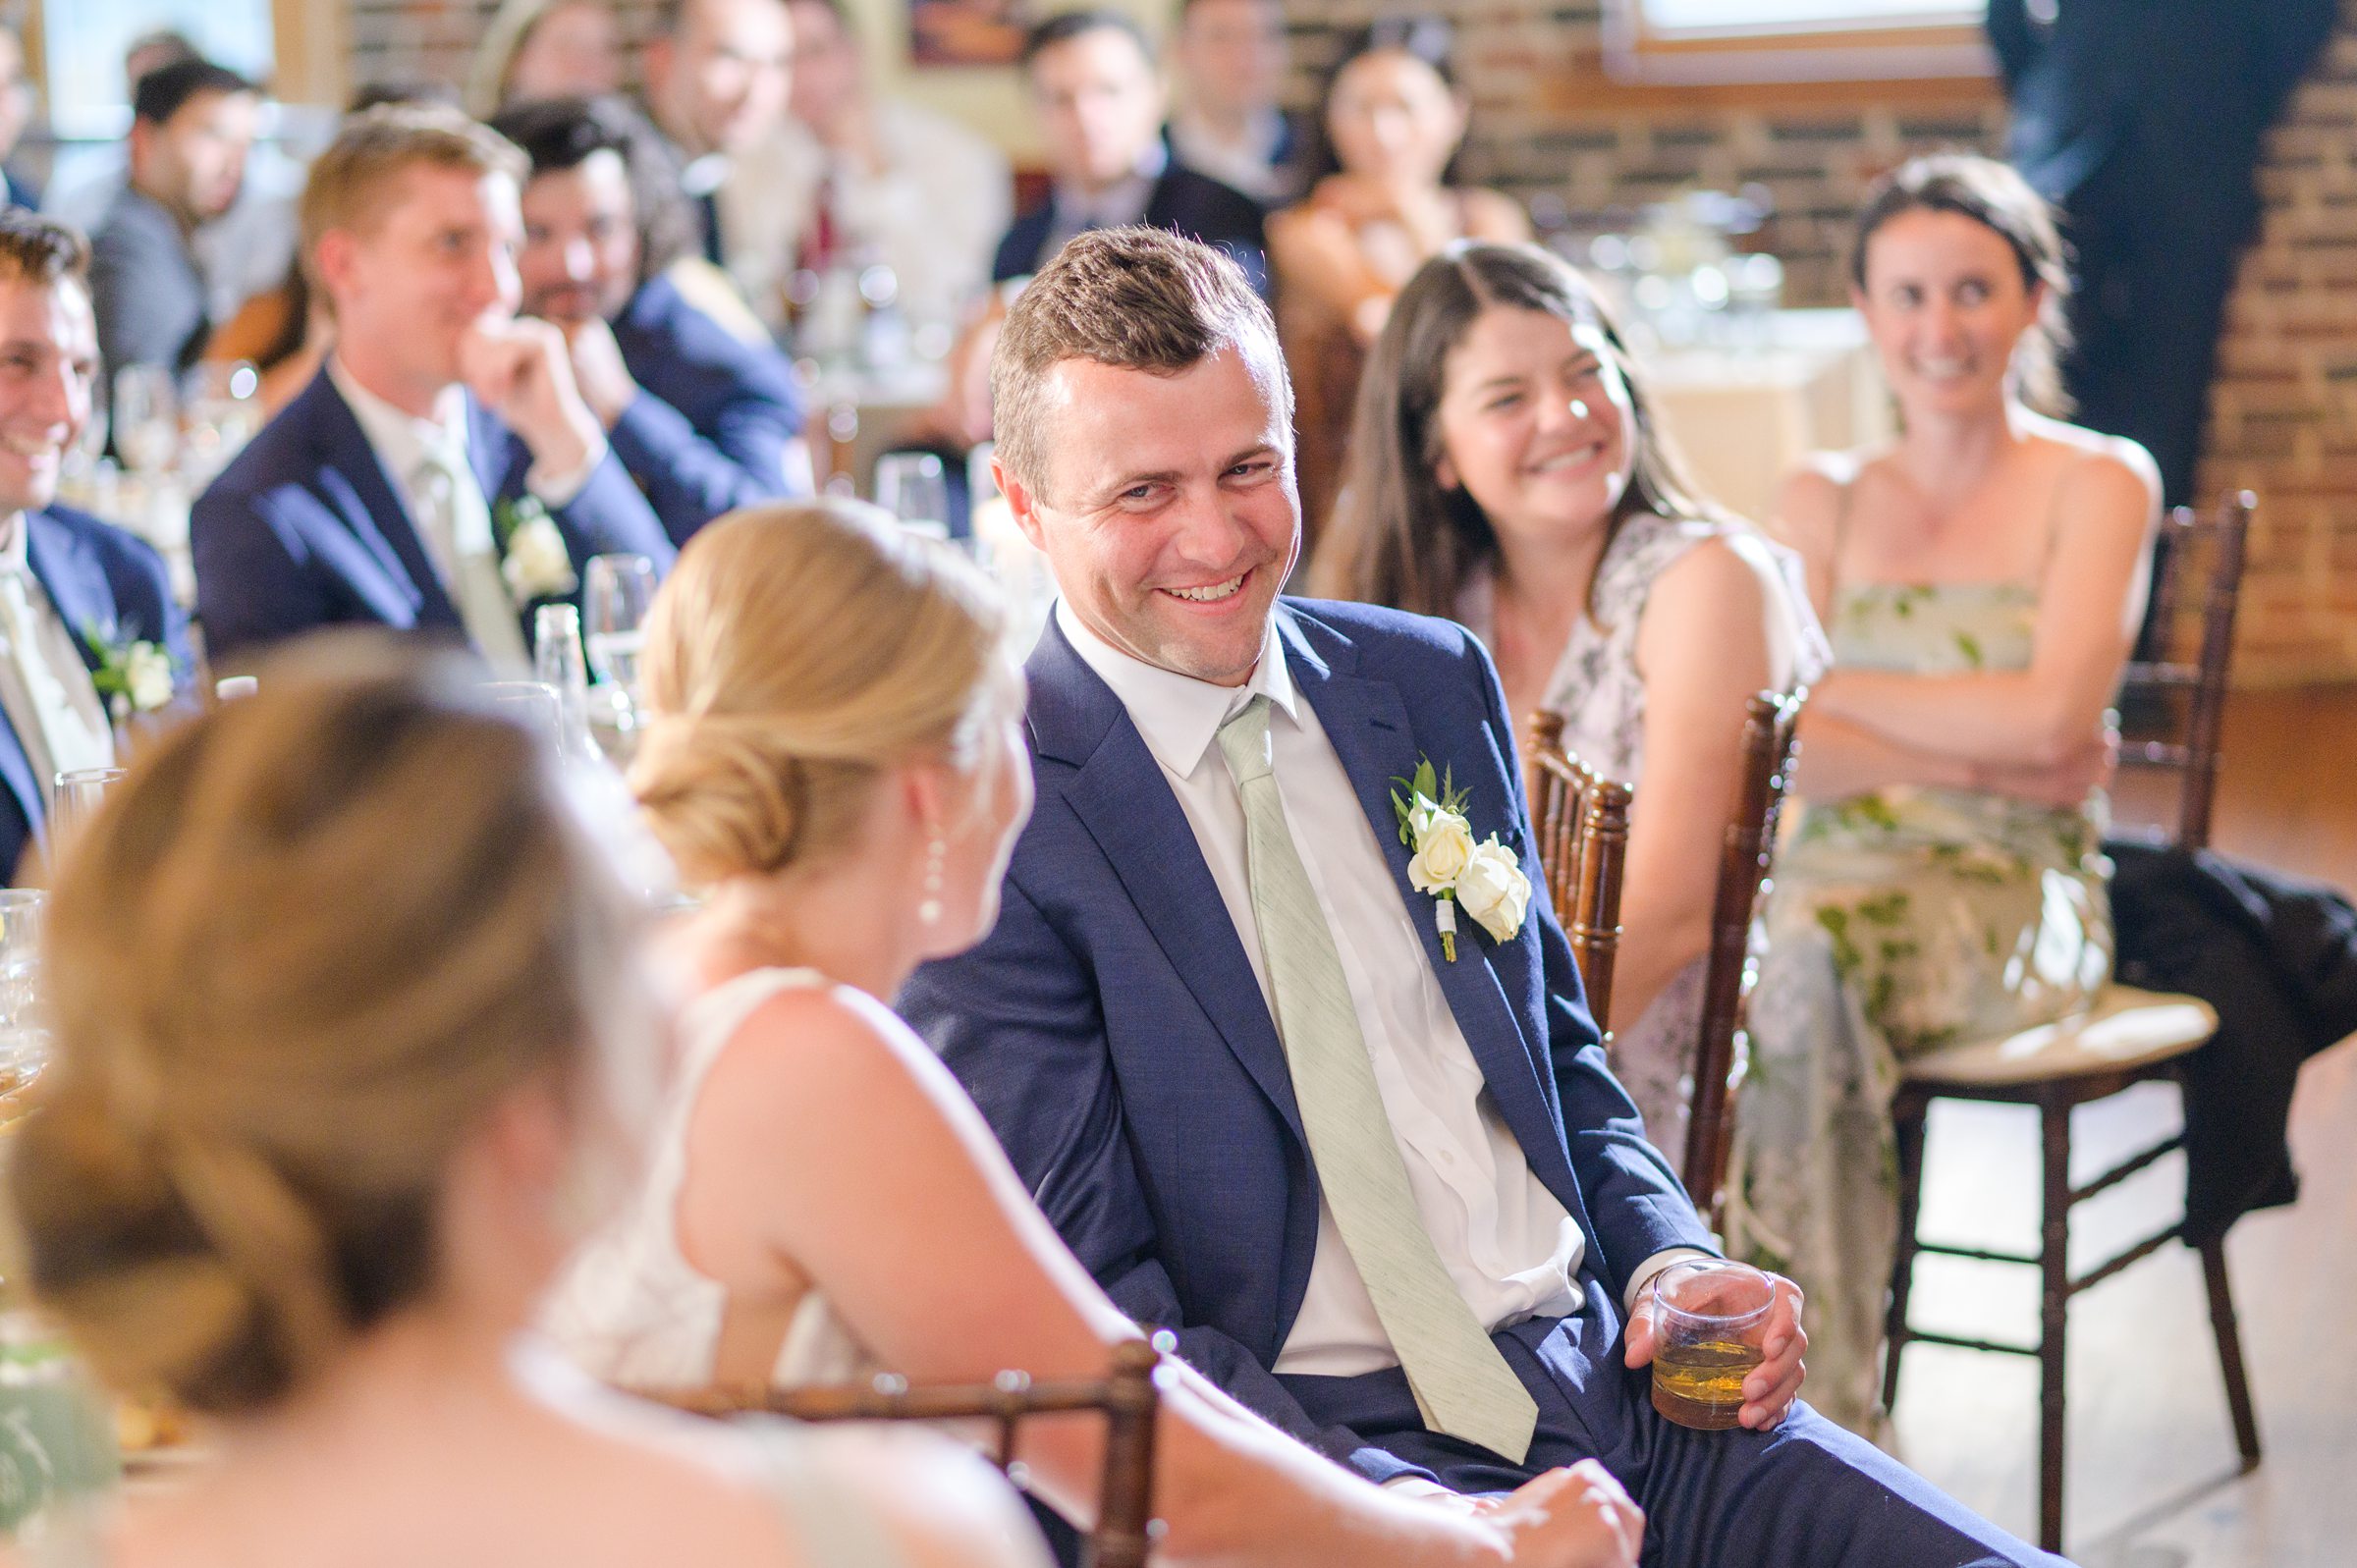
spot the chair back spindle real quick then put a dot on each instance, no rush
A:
(1582, 825)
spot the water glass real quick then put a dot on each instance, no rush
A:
(911, 486)
(146, 413)
(531, 705)
(559, 663)
(24, 1027)
(1710, 1330)
(75, 801)
(224, 411)
(616, 594)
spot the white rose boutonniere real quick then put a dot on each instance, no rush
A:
(533, 559)
(132, 676)
(1493, 890)
(1449, 865)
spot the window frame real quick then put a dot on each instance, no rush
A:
(1636, 55)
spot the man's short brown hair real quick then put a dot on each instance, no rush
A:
(1132, 299)
(348, 183)
(41, 250)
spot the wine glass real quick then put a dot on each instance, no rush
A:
(617, 592)
(146, 413)
(223, 411)
(913, 488)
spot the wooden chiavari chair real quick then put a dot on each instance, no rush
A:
(1130, 1396)
(1769, 726)
(2129, 1038)
(1582, 824)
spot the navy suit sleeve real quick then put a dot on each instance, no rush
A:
(252, 588)
(1016, 1019)
(1633, 1194)
(607, 516)
(690, 480)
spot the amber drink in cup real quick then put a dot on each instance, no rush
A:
(1710, 1330)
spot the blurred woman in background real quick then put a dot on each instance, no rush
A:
(1983, 577)
(351, 1041)
(539, 49)
(1506, 471)
(1392, 118)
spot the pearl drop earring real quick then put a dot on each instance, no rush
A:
(928, 912)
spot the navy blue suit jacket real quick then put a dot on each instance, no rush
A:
(1112, 1031)
(1184, 202)
(104, 583)
(715, 416)
(305, 529)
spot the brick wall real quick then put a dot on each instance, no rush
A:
(2284, 419)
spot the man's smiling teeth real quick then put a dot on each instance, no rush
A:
(1211, 595)
(1941, 369)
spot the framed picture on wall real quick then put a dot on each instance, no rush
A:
(967, 32)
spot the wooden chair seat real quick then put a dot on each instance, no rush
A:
(2124, 1030)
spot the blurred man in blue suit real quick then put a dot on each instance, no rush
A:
(443, 473)
(89, 634)
(705, 422)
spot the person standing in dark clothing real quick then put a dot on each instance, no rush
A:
(2145, 134)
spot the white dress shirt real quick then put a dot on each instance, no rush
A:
(1248, 164)
(45, 689)
(1508, 1243)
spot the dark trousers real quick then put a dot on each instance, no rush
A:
(1806, 1495)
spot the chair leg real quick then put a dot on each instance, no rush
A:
(1909, 1119)
(2053, 1256)
(2229, 1350)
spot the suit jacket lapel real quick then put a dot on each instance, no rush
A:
(1124, 800)
(371, 504)
(1368, 724)
(75, 581)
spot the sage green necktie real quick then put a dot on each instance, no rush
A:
(1461, 1383)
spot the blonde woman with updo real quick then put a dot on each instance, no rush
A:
(835, 760)
(349, 1023)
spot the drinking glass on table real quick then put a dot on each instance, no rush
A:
(534, 704)
(23, 1033)
(223, 411)
(75, 801)
(1709, 1327)
(146, 413)
(616, 593)
(913, 488)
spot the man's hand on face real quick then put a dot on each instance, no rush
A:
(522, 370)
(598, 370)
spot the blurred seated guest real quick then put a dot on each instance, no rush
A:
(704, 424)
(282, 332)
(1093, 86)
(835, 760)
(545, 49)
(192, 125)
(864, 178)
(1983, 577)
(1392, 119)
(305, 1161)
(16, 114)
(89, 634)
(442, 473)
(716, 88)
(1230, 59)
(1506, 472)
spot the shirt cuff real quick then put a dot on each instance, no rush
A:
(1654, 1265)
(557, 491)
(1416, 1487)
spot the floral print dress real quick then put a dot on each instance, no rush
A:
(1901, 921)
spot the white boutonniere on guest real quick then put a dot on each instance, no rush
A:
(1447, 864)
(532, 558)
(134, 676)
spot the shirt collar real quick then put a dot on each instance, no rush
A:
(1177, 716)
(15, 552)
(402, 439)
(1124, 203)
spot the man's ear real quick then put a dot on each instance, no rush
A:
(332, 260)
(1022, 502)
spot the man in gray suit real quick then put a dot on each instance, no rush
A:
(193, 124)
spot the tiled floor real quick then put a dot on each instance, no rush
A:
(2152, 1475)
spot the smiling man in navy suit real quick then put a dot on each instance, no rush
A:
(77, 597)
(1386, 1193)
(442, 473)
(704, 422)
